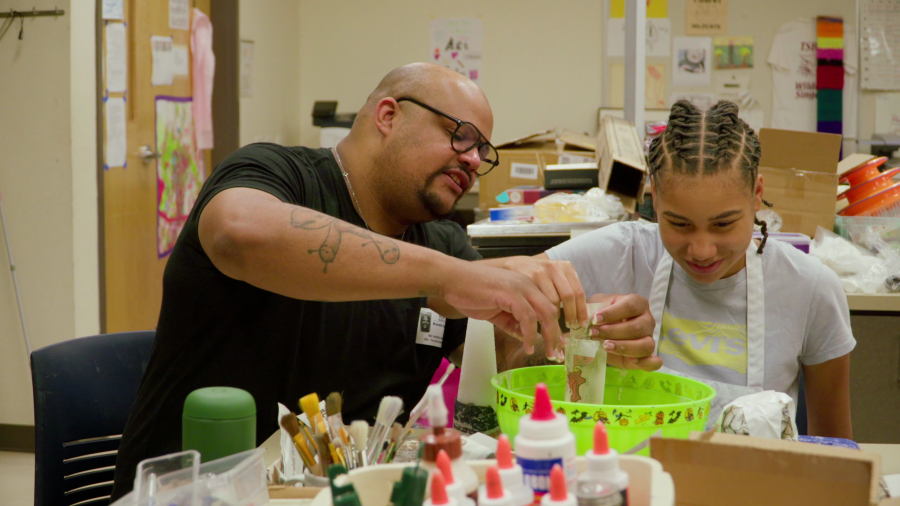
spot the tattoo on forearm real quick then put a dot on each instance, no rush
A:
(387, 249)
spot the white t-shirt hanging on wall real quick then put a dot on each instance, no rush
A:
(793, 60)
(704, 328)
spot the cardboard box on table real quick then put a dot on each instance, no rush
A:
(716, 469)
(800, 177)
(623, 166)
(523, 161)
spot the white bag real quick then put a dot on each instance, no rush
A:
(768, 414)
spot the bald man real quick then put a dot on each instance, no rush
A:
(315, 270)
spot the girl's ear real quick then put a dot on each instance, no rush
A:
(653, 189)
(758, 193)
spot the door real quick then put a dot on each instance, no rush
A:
(135, 234)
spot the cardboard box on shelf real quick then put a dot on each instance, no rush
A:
(800, 177)
(523, 161)
(715, 468)
(623, 167)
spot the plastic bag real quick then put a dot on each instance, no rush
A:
(766, 414)
(773, 220)
(860, 270)
(610, 204)
(567, 208)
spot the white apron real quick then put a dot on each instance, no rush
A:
(756, 330)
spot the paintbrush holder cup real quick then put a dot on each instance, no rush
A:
(218, 422)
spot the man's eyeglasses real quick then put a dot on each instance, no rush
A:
(465, 137)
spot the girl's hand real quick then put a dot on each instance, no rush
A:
(626, 327)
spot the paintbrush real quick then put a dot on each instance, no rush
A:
(359, 435)
(333, 405)
(396, 432)
(322, 430)
(310, 405)
(291, 425)
(420, 407)
(388, 411)
(325, 459)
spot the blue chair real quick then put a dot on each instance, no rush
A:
(83, 393)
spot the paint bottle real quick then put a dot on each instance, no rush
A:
(439, 495)
(602, 471)
(492, 492)
(559, 493)
(511, 474)
(442, 438)
(454, 488)
(544, 439)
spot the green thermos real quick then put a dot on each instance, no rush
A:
(218, 422)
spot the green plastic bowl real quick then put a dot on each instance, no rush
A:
(638, 404)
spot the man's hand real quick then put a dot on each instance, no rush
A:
(509, 300)
(626, 326)
(559, 283)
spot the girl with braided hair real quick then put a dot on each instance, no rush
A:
(739, 314)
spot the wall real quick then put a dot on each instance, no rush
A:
(271, 113)
(543, 62)
(761, 19)
(36, 186)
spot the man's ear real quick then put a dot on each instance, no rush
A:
(385, 115)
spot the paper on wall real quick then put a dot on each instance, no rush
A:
(246, 68)
(655, 9)
(456, 44)
(180, 61)
(692, 61)
(116, 138)
(585, 364)
(703, 101)
(116, 58)
(163, 60)
(180, 14)
(658, 43)
(654, 86)
(706, 17)
(113, 9)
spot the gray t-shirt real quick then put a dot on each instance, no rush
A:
(704, 330)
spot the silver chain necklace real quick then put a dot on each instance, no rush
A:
(353, 193)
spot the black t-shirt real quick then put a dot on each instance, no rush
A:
(216, 331)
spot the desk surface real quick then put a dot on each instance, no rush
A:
(874, 302)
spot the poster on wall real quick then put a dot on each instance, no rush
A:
(456, 44)
(246, 78)
(116, 58)
(655, 9)
(691, 61)
(733, 52)
(659, 37)
(113, 9)
(654, 86)
(180, 14)
(706, 17)
(179, 169)
(116, 133)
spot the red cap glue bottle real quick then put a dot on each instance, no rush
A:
(559, 493)
(439, 496)
(492, 492)
(454, 488)
(544, 439)
(602, 472)
(511, 474)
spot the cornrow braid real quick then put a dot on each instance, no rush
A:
(698, 142)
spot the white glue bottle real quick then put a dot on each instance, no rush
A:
(454, 488)
(559, 493)
(442, 438)
(439, 495)
(492, 493)
(544, 439)
(602, 468)
(511, 474)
